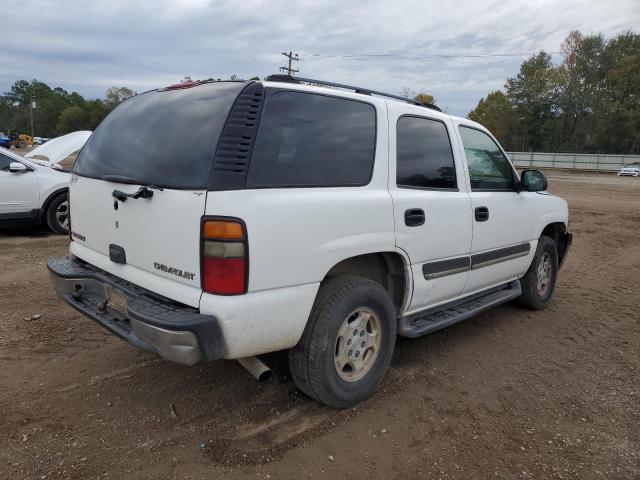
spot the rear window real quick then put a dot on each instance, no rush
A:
(312, 140)
(165, 138)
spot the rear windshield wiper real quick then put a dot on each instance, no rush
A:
(121, 179)
(134, 181)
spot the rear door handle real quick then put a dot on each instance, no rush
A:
(482, 214)
(414, 217)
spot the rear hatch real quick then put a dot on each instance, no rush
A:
(160, 143)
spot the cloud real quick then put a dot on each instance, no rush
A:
(90, 46)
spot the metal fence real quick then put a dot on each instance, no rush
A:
(577, 161)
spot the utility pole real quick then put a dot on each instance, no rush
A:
(292, 57)
(33, 105)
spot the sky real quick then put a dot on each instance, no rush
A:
(454, 50)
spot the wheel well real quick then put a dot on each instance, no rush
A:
(557, 232)
(386, 268)
(46, 203)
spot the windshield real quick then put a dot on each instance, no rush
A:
(163, 137)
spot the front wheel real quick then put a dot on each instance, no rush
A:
(57, 214)
(539, 282)
(347, 344)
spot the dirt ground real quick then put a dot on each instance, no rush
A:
(509, 394)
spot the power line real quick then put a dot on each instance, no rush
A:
(369, 56)
(292, 57)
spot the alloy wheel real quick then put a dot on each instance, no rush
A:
(62, 215)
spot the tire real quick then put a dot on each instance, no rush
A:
(56, 221)
(535, 295)
(346, 308)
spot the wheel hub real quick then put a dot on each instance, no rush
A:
(62, 215)
(357, 344)
(544, 274)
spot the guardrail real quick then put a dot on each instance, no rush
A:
(572, 161)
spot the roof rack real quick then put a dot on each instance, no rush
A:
(364, 91)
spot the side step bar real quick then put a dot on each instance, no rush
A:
(431, 320)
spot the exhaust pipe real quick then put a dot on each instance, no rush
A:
(256, 368)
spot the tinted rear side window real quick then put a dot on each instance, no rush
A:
(313, 140)
(424, 156)
(166, 138)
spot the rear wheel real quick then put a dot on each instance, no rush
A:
(57, 214)
(539, 282)
(347, 344)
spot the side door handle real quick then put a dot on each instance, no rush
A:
(414, 217)
(482, 214)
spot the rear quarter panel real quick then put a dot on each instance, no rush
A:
(295, 236)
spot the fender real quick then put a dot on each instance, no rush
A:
(554, 210)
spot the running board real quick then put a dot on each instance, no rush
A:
(422, 323)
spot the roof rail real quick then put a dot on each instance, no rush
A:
(364, 91)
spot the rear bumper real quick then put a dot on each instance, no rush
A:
(171, 330)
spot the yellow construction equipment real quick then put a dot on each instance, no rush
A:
(20, 140)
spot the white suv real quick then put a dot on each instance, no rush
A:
(231, 219)
(33, 188)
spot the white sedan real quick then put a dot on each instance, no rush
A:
(34, 189)
(631, 169)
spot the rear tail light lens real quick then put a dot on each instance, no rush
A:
(223, 230)
(224, 257)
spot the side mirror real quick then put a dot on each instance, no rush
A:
(17, 167)
(533, 181)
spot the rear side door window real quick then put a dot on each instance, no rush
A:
(489, 168)
(424, 155)
(313, 140)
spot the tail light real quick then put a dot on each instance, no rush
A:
(225, 260)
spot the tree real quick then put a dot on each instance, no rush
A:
(590, 102)
(423, 97)
(620, 106)
(498, 114)
(579, 95)
(407, 92)
(116, 95)
(534, 92)
(97, 111)
(71, 119)
(48, 118)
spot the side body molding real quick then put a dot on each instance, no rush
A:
(441, 268)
